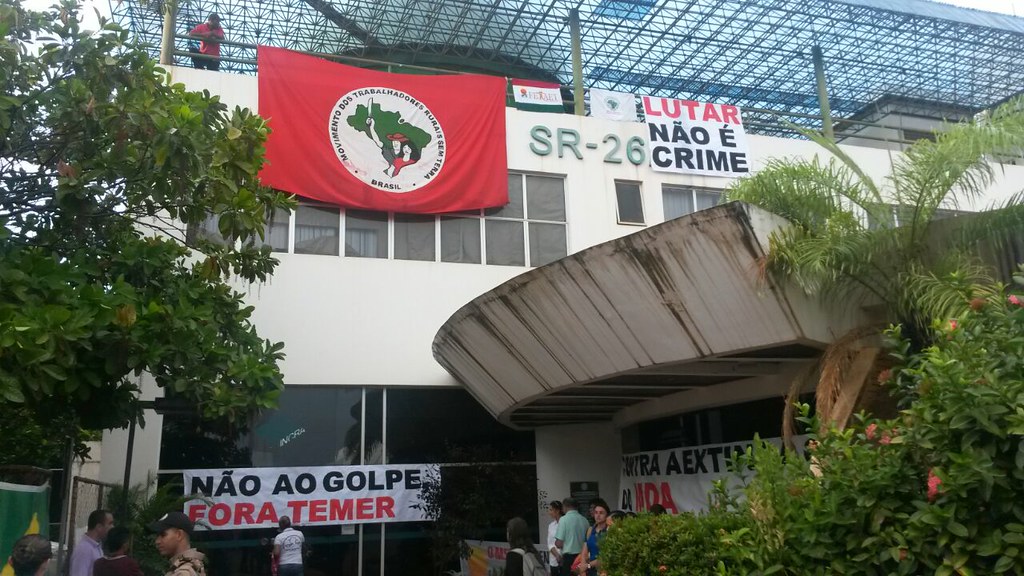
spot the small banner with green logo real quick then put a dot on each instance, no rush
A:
(537, 96)
(26, 510)
(612, 105)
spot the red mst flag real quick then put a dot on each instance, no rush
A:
(380, 141)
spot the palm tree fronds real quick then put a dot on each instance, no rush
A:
(874, 194)
(959, 166)
(807, 193)
(944, 290)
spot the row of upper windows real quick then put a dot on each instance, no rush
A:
(528, 231)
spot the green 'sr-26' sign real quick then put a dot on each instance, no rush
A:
(568, 141)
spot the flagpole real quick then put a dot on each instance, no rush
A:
(577, 60)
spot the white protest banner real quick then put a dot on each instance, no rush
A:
(690, 137)
(314, 496)
(487, 558)
(612, 105)
(678, 479)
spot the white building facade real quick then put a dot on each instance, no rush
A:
(361, 301)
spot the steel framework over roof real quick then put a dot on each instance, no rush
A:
(754, 53)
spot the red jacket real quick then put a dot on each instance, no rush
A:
(208, 47)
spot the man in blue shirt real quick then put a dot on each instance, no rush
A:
(88, 549)
(571, 534)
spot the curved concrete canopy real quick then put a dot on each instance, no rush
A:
(673, 307)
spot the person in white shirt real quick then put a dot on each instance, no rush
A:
(288, 547)
(554, 553)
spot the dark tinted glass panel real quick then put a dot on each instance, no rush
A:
(313, 426)
(414, 237)
(275, 234)
(505, 243)
(460, 240)
(737, 423)
(316, 230)
(366, 234)
(514, 208)
(448, 425)
(547, 243)
(631, 207)
(545, 198)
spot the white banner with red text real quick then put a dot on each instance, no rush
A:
(228, 499)
(679, 479)
(689, 137)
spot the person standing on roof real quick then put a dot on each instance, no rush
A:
(211, 34)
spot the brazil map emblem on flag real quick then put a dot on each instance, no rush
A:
(379, 141)
(396, 127)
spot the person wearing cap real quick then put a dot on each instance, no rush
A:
(174, 541)
(211, 34)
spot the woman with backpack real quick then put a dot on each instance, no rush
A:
(522, 558)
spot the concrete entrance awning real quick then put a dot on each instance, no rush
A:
(674, 307)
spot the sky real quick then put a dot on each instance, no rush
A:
(1013, 7)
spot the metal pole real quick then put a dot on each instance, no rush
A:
(65, 504)
(125, 491)
(819, 76)
(577, 60)
(167, 36)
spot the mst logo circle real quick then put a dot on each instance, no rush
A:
(387, 139)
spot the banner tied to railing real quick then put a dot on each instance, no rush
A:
(679, 479)
(228, 499)
(689, 137)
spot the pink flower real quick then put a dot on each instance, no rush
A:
(662, 568)
(934, 482)
(886, 439)
(953, 324)
(884, 376)
(1015, 301)
(870, 431)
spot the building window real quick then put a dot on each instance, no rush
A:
(630, 203)
(682, 200)
(534, 217)
(914, 135)
(317, 229)
(208, 230)
(414, 237)
(275, 233)
(891, 216)
(366, 234)
(460, 239)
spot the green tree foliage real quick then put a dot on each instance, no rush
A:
(140, 506)
(103, 165)
(473, 502)
(844, 244)
(938, 490)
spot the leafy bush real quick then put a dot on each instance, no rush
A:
(940, 489)
(685, 545)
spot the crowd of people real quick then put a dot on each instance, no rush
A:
(103, 549)
(573, 540)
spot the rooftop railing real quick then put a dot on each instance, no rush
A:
(239, 58)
